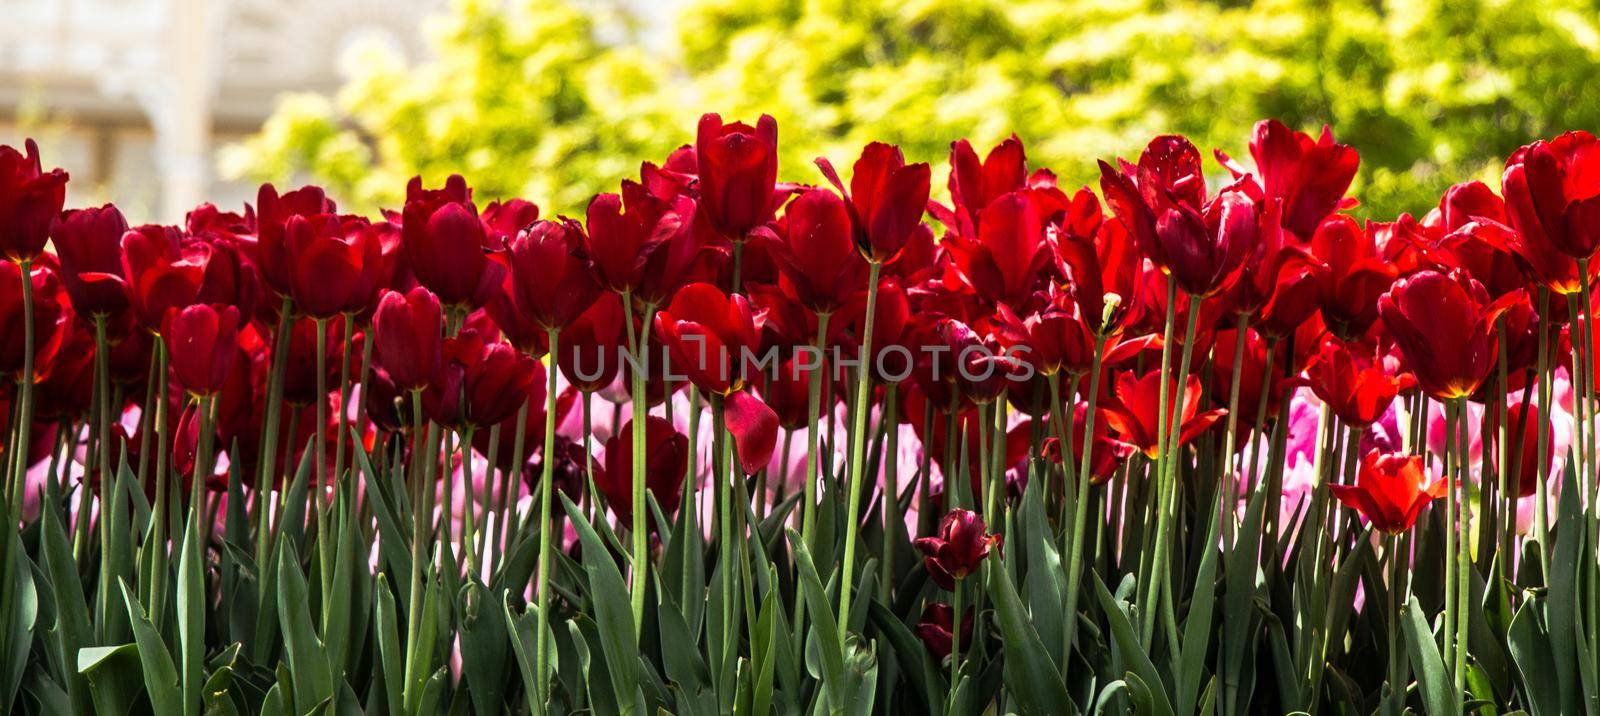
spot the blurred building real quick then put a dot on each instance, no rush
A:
(133, 97)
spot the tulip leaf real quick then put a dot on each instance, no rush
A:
(114, 674)
(613, 614)
(390, 536)
(160, 674)
(308, 661)
(483, 646)
(1197, 627)
(1432, 679)
(192, 612)
(928, 681)
(389, 665)
(825, 632)
(73, 629)
(1029, 670)
(1045, 573)
(1129, 649)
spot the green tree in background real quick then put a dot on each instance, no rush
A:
(527, 99)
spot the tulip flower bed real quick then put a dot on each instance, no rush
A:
(1186, 444)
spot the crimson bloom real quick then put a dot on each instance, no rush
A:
(479, 383)
(1162, 202)
(1352, 275)
(1003, 260)
(407, 329)
(886, 196)
(1109, 452)
(333, 263)
(1390, 490)
(503, 220)
(1552, 193)
(959, 548)
(162, 274)
(641, 244)
(551, 273)
(273, 212)
(1135, 410)
(444, 239)
(817, 259)
(202, 343)
(936, 629)
(1308, 176)
(738, 170)
(49, 318)
(667, 462)
(975, 184)
(1356, 380)
(1101, 264)
(89, 245)
(711, 336)
(1444, 327)
(589, 352)
(30, 199)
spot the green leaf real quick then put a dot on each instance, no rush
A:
(926, 679)
(1046, 591)
(825, 632)
(160, 674)
(114, 675)
(1129, 649)
(73, 628)
(483, 646)
(1197, 632)
(1438, 694)
(308, 661)
(613, 613)
(192, 613)
(391, 537)
(390, 664)
(1029, 670)
(1530, 651)
(523, 645)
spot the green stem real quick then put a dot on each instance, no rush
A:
(1541, 517)
(24, 424)
(1464, 590)
(858, 433)
(1229, 492)
(546, 536)
(102, 379)
(894, 518)
(344, 394)
(1167, 504)
(1450, 560)
(955, 644)
(266, 474)
(1080, 511)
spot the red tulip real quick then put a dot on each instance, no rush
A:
(89, 245)
(1101, 263)
(444, 240)
(816, 256)
(202, 343)
(887, 198)
(1162, 202)
(936, 628)
(1052, 339)
(407, 329)
(788, 391)
(1135, 410)
(1390, 490)
(667, 456)
(974, 184)
(1003, 260)
(551, 273)
(641, 244)
(1444, 327)
(30, 199)
(1308, 176)
(161, 273)
(1553, 193)
(738, 170)
(50, 319)
(66, 390)
(300, 382)
(479, 383)
(960, 547)
(503, 220)
(332, 262)
(1253, 378)
(1352, 275)
(590, 350)
(712, 338)
(1356, 380)
(272, 254)
(1109, 452)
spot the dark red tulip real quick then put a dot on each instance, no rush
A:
(667, 455)
(788, 390)
(1109, 452)
(1390, 491)
(444, 240)
(407, 331)
(936, 629)
(551, 272)
(887, 198)
(641, 244)
(202, 342)
(1552, 193)
(738, 170)
(503, 220)
(1444, 327)
(1355, 380)
(1307, 176)
(89, 245)
(974, 184)
(480, 383)
(590, 352)
(66, 390)
(1003, 260)
(1352, 276)
(817, 259)
(1102, 265)
(959, 548)
(1053, 339)
(1253, 378)
(1162, 202)
(50, 319)
(30, 199)
(273, 211)
(333, 264)
(162, 274)
(711, 335)
(1135, 410)
(300, 382)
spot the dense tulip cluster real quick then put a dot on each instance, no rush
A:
(288, 459)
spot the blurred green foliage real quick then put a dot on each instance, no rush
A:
(527, 99)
